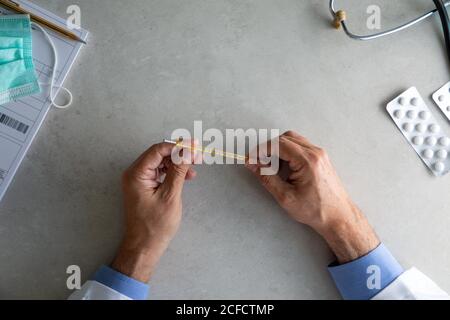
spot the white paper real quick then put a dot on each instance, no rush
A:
(20, 120)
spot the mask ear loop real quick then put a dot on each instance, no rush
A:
(55, 64)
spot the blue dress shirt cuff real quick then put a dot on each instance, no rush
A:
(365, 277)
(119, 282)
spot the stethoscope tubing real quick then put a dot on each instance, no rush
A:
(384, 33)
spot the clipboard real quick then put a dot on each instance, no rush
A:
(21, 120)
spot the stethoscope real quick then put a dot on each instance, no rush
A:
(340, 18)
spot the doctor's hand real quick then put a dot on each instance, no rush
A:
(153, 210)
(314, 195)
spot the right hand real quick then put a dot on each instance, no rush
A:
(314, 195)
(153, 210)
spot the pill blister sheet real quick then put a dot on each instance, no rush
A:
(420, 128)
(442, 99)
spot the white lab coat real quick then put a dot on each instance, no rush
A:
(411, 285)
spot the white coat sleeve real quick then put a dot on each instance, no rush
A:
(93, 290)
(412, 285)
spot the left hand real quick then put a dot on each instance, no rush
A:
(314, 195)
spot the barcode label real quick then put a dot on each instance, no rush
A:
(13, 123)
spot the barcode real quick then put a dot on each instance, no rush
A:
(13, 123)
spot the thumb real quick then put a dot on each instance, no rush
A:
(175, 178)
(274, 184)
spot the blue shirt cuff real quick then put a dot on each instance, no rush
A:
(365, 277)
(119, 282)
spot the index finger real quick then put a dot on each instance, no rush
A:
(298, 139)
(281, 147)
(290, 151)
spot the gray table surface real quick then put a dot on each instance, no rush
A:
(154, 66)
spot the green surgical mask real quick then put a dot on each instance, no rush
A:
(17, 74)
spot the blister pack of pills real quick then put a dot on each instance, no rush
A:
(420, 128)
(442, 99)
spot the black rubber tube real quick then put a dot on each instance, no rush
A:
(445, 23)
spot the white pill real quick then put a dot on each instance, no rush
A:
(428, 154)
(442, 154)
(431, 141)
(441, 98)
(408, 127)
(439, 166)
(424, 115)
(444, 141)
(411, 114)
(415, 102)
(402, 101)
(399, 114)
(434, 128)
(421, 128)
(418, 141)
